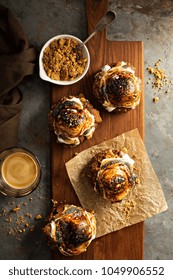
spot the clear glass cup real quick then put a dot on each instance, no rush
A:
(20, 172)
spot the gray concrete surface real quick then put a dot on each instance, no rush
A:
(149, 21)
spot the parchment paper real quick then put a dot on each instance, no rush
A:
(145, 200)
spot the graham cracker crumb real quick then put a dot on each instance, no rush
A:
(38, 217)
(18, 220)
(16, 209)
(160, 80)
(156, 99)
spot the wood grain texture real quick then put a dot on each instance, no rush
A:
(128, 242)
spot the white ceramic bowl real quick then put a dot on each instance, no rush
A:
(42, 72)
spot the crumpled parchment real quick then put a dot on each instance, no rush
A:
(145, 200)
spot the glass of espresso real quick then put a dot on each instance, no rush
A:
(20, 172)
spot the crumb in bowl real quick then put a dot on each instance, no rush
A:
(62, 60)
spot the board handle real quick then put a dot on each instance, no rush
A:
(95, 9)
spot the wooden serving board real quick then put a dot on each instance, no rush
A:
(128, 242)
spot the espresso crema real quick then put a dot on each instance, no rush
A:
(19, 170)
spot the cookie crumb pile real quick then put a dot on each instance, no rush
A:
(160, 81)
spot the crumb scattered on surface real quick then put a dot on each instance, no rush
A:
(17, 208)
(160, 81)
(18, 220)
(161, 78)
(155, 99)
(28, 215)
(128, 206)
(38, 217)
